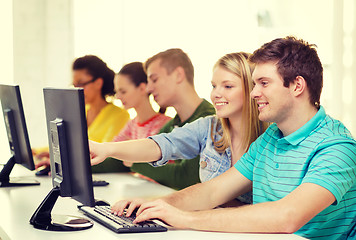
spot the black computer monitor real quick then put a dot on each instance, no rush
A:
(17, 135)
(70, 159)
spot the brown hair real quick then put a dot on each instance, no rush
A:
(294, 57)
(171, 59)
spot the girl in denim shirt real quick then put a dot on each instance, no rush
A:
(220, 140)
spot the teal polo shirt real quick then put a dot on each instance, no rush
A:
(322, 152)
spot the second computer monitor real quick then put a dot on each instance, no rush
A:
(68, 143)
(17, 135)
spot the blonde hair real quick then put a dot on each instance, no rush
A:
(238, 64)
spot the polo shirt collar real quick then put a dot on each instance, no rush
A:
(302, 133)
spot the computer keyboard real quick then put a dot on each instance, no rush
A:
(119, 224)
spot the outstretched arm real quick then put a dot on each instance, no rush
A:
(142, 150)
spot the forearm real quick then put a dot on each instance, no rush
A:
(187, 199)
(210, 194)
(259, 218)
(286, 215)
(142, 150)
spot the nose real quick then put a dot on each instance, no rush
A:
(118, 95)
(255, 93)
(216, 92)
(149, 87)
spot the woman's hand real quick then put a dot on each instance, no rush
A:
(98, 152)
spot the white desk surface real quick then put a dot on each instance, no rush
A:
(17, 204)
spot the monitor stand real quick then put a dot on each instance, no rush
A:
(5, 176)
(43, 219)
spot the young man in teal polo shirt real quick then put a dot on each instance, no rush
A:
(302, 170)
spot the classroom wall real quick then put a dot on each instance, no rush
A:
(43, 52)
(41, 39)
(6, 65)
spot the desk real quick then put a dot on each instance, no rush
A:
(19, 203)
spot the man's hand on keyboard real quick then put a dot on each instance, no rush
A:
(130, 205)
(164, 212)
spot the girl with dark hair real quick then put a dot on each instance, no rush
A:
(104, 119)
(130, 86)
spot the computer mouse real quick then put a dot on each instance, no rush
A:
(44, 171)
(101, 203)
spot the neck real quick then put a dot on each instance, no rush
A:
(236, 125)
(97, 105)
(144, 111)
(235, 131)
(300, 116)
(186, 105)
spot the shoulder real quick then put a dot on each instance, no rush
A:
(163, 118)
(205, 121)
(113, 109)
(332, 132)
(204, 109)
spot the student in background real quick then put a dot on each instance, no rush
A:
(130, 86)
(171, 82)
(219, 140)
(302, 170)
(104, 119)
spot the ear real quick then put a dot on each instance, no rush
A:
(99, 83)
(180, 73)
(142, 87)
(298, 86)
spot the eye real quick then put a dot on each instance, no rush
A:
(213, 85)
(228, 86)
(264, 83)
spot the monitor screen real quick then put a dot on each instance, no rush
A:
(68, 144)
(16, 133)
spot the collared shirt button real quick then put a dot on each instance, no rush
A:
(203, 164)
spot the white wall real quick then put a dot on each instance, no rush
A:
(6, 66)
(134, 30)
(43, 52)
(48, 35)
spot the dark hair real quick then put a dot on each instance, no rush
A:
(294, 57)
(173, 58)
(137, 75)
(135, 71)
(98, 69)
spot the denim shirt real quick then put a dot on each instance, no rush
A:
(194, 139)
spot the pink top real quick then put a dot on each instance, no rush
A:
(136, 130)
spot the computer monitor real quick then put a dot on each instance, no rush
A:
(70, 159)
(17, 135)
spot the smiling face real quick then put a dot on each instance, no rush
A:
(275, 102)
(227, 94)
(161, 84)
